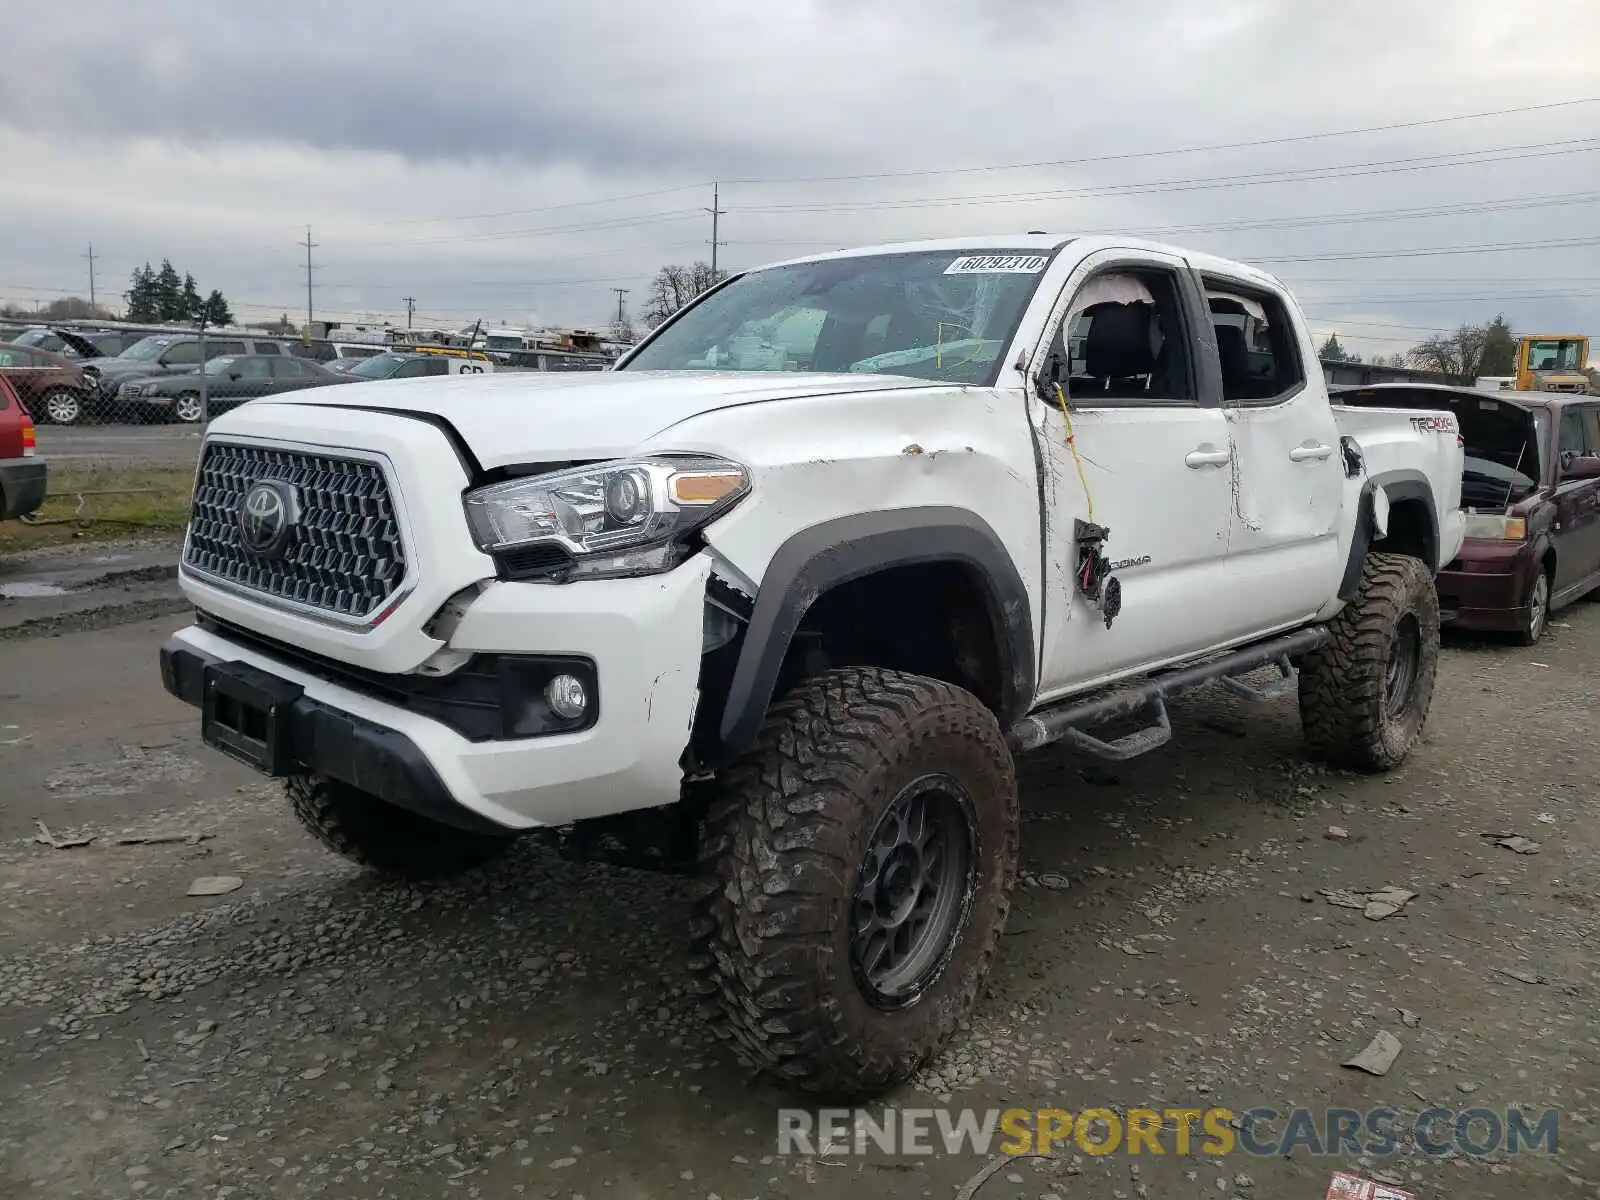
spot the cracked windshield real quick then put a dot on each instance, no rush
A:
(945, 317)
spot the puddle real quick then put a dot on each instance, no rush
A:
(30, 591)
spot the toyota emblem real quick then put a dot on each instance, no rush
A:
(268, 515)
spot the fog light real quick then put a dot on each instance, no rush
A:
(566, 697)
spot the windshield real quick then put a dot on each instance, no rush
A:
(939, 315)
(1557, 354)
(498, 342)
(146, 349)
(381, 367)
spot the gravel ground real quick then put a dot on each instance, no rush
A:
(525, 1030)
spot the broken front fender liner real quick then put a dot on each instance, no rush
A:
(835, 552)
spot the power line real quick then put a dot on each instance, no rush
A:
(544, 208)
(1421, 162)
(1215, 147)
(1425, 251)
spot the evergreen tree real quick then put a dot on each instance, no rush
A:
(1499, 349)
(216, 309)
(168, 289)
(141, 295)
(190, 298)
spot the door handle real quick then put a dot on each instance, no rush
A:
(1207, 455)
(1309, 450)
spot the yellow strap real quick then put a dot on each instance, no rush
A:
(1072, 445)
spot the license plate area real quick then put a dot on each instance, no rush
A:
(244, 712)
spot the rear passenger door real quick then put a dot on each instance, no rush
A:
(1288, 486)
(1577, 500)
(1149, 460)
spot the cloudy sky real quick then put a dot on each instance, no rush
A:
(517, 160)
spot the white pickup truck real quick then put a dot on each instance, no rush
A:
(777, 598)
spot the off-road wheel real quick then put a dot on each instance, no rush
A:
(383, 838)
(1538, 615)
(859, 865)
(1364, 696)
(61, 406)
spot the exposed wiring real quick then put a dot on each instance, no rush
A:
(1072, 445)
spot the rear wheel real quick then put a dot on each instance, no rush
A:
(860, 862)
(383, 838)
(188, 408)
(1537, 618)
(61, 406)
(1365, 695)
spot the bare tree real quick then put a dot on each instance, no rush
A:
(673, 287)
(1459, 354)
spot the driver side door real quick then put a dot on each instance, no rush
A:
(1151, 462)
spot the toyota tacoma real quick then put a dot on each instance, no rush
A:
(777, 599)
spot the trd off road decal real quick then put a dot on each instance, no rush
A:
(1441, 423)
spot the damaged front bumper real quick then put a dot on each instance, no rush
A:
(641, 639)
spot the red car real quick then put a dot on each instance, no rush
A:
(54, 388)
(22, 471)
(1532, 494)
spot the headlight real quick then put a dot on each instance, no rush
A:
(620, 518)
(1497, 527)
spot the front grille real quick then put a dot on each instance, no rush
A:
(343, 556)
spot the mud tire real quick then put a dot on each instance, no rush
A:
(383, 838)
(1349, 709)
(780, 852)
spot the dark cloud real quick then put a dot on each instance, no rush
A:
(214, 134)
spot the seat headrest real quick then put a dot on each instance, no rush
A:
(1117, 344)
(1232, 354)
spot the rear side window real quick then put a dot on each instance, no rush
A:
(218, 349)
(1580, 431)
(1256, 344)
(268, 348)
(187, 354)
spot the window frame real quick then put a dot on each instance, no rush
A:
(1209, 281)
(1203, 393)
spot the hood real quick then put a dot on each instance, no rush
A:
(81, 346)
(508, 419)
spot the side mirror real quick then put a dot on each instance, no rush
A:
(1581, 467)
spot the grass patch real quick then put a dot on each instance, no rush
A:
(105, 503)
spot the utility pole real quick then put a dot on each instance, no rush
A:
(411, 307)
(90, 257)
(310, 245)
(716, 211)
(622, 315)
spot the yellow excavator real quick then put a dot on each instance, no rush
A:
(1553, 362)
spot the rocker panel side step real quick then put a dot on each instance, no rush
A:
(1067, 719)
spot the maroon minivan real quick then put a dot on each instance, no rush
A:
(1531, 489)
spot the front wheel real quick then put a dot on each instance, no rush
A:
(385, 839)
(860, 862)
(188, 409)
(61, 407)
(1538, 616)
(1365, 694)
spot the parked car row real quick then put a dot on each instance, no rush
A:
(80, 384)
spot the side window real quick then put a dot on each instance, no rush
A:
(1124, 340)
(290, 368)
(436, 366)
(1591, 430)
(253, 368)
(1256, 344)
(11, 358)
(268, 348)
(409, 370)
(218, 349)
(1573, 434)
(186, 354)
